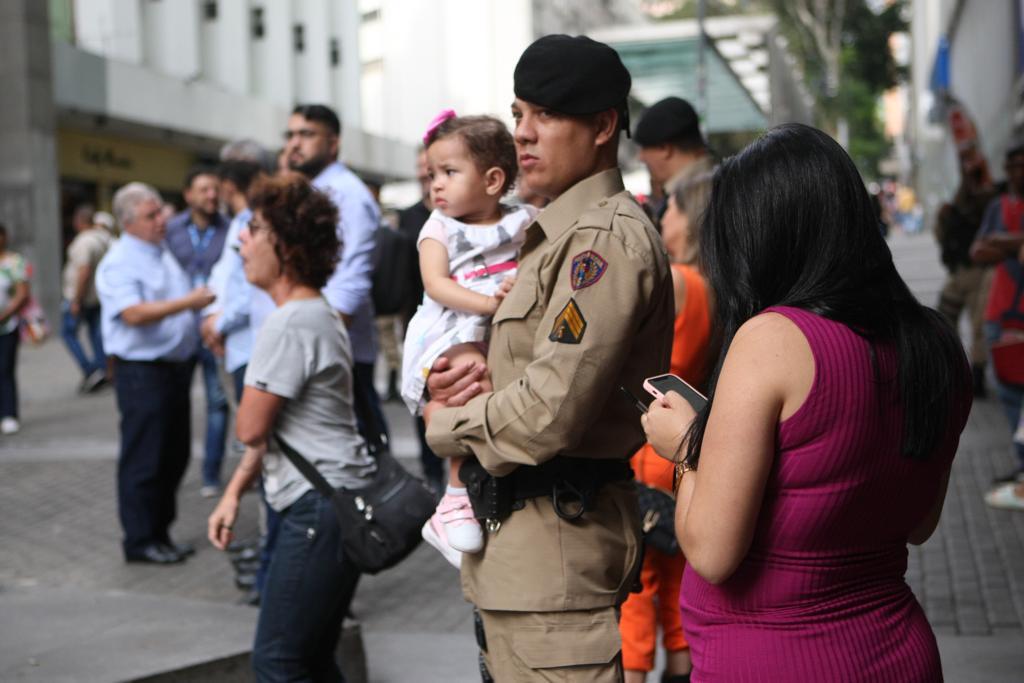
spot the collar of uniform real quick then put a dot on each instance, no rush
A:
(562, 213)
(139, 244)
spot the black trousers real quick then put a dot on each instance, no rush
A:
(156, 435)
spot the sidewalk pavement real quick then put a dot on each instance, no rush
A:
(70, 609)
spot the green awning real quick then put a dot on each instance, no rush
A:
(661, 68)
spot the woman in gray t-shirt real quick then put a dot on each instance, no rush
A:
(299, 387)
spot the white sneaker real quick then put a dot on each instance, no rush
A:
(433, 533)
(1005, 498)
(209, 491)
(9, 425)
(460, 526)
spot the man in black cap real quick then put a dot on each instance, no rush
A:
(671, 146)
(591, 310)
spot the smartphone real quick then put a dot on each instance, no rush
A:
(660, 385)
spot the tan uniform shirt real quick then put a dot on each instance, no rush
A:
(592, 309)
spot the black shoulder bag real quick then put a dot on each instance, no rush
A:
(657, 512)
(380, 522)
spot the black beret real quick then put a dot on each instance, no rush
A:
(670, 119)
(573, 75)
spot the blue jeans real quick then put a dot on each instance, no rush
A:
(216, 418)
(306, 597)
(90, 315)
(1010, 396)
(8, 381)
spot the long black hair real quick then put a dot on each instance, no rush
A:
(790, 223)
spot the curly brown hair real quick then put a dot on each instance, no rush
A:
(303, 221)
(488, 141)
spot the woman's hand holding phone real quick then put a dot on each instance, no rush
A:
(666, 422)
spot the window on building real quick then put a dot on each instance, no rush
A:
(210, 10)
(299, 37)
(372, 15)
(256, 22)
(335, 52)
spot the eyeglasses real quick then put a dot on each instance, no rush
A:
(304, 133)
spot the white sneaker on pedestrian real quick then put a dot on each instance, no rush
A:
(9, 425)
(1005, 498)
(209, 490)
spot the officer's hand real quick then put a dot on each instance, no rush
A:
(666, 423)
(454, 386)
(200, 297)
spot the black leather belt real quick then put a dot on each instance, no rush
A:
(572, 483)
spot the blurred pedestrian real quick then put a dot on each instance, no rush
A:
(829, 436)
(967, 283)
(196, 237)
(312, 143)
(591, 310)
(14, 294)
(80, 304)
(998, 244)
(298, 388)
(657, 604)
(149, 328)
(225, 327)
(671, 144)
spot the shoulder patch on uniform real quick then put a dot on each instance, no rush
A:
(587, 269)
(569, 325)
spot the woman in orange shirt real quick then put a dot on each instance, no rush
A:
(658, 602)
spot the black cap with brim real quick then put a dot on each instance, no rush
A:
(672, 118)
(573, 75)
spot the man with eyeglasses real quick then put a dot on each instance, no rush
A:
(312, 143)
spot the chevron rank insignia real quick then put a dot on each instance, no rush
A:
(569, 325)
(587, 269)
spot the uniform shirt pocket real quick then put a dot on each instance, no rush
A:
(514, 326)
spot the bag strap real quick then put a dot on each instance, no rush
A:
(308, 470)
(376, 441)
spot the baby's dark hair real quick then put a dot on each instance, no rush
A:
(488, 141)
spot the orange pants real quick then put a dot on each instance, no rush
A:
(661, 575)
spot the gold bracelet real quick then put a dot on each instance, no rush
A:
(681, 468)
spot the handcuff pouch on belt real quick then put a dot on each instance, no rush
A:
(572, 483)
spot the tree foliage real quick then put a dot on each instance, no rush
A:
(843, 47)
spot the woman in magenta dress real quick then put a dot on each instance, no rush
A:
(827, 444)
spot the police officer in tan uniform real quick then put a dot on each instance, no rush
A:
(592, 309)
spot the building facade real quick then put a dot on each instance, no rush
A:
(971, 52)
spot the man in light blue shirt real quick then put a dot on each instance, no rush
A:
(227, 327)
(312, 142)
(149, 328)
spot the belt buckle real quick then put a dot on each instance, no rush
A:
(564, 494)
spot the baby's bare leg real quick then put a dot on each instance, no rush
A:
(464, 354)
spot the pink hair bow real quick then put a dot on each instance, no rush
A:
(436, 123)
